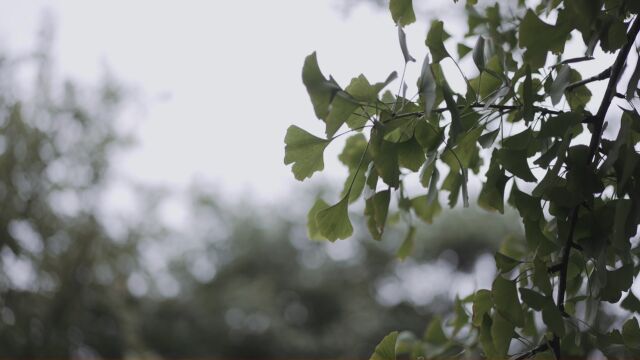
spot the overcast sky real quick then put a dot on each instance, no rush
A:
(219, 80)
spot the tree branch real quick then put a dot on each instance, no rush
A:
(596, 135)
(603, 75)
(533, 352)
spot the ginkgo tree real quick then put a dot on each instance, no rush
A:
(528, 127)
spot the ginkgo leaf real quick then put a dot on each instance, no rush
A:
(321, 90)
(339, 112)
(505, 298)
(456, 125)
(527, 96)
(505, 263)
(501, 334)
(305, 151)
(386, 349)
(427, 86)
(435, 41)
(312, 225)
(515, 161)
(407, 244)
(559, 84)
(402, 12)
(333, 222)
(424, 209)
(402, 37)
(478, 53)
(376, 210)
(482, 304)
(539, 38)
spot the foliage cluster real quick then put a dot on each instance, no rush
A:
(533, 114)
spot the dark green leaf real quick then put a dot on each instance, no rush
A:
(435, 41)
(376, 210)
(434, 334)
(631, 303)
(539, 38)
(533, 299)
(505, 298)
(505, 263)
(552, 317)
(631, 333)
(527, 96)
(478, 53)
(501, 334)
(321, 90)
(515, 161)
(482, 303)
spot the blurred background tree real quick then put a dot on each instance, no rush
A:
(238, 280)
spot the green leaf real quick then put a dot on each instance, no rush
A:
(552, 317)
(533, 299)
(456, 124)
(501, 334)
(376, 210)
(424, 209)
(434, 333)
(505, 298)
(505, 263)
(435, 41)
(410, 154)
(463, 50)
(631, 333)
(312, 225)
(333, 222)
(478, 53)
(402, 37)
(342, 107)
(402, 12)
(515, 161)
(539, 38)
(632, 85)
(528, 206)
(461, 318)
(492, 194)
(385, 158)
(353, 150)
(407, 245)
(541, 277)
(557, 126)
(482, 303)
(321, 90)
(486, 140)
(631, 303)
(559, 84)
(305, 151)
(427, 85)
(486, 339)
(386, 349)
(527, 96)
(620, 238)
(360, 88)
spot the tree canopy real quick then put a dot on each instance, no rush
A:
(528, 127)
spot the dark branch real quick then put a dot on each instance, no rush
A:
(533, 352)
(603, 75)
(596, 135)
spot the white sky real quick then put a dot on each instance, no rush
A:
(220, 79)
